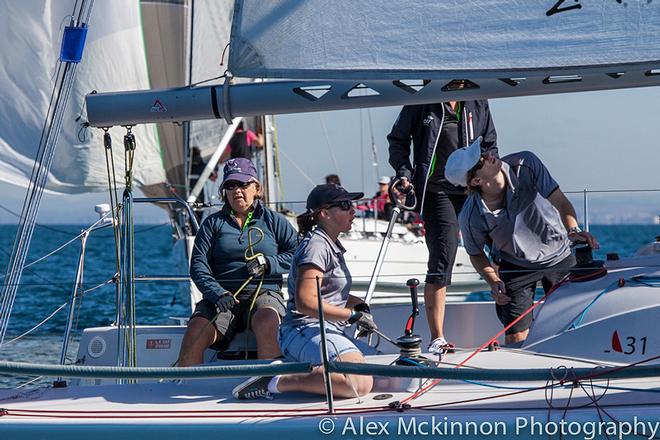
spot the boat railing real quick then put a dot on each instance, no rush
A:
(264, 368)
(587, 192)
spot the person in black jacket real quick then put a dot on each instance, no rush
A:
(437, 130)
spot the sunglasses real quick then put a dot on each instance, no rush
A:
(344, 205)
(479, 165)
(471, 173)
(233, 184)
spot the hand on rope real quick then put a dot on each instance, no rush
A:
(225, 302)
(255, 263)
(257, 266)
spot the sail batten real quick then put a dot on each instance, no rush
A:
(428, 39)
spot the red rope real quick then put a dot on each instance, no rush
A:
(425, 389)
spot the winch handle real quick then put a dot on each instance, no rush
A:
(410, 199)
(410, 324)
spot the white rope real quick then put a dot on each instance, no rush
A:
(38, 325)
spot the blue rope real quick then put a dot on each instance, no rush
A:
(644, 280)
(579, 319)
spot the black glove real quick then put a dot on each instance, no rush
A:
(362, 307)
(257, 266)
(225, 302)
(365, 322)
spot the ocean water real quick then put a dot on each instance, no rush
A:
(47, 285)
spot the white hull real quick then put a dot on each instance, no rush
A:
(512, 409)
(174, 410)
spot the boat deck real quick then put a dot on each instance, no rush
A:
(168, 409)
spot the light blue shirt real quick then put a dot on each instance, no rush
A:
(320, 251)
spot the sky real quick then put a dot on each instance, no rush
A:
(591, 140)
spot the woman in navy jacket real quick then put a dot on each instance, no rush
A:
(244, 239)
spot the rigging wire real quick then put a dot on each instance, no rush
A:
(327, 141)
(50, 228)
(300, 170)
(48, 318)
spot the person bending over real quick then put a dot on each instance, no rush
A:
(515, 208)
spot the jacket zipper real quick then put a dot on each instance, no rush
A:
(435, 146)
(428, 171)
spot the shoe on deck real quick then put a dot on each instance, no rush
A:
(440, 346)
(255, 387)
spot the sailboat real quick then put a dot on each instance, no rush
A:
(590, 366)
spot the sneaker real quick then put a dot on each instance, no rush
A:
(440, 346)
(255, 387)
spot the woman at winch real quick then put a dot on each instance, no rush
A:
(319, 257)
(237, 263)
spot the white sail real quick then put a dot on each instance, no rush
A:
(131, 44)
(428, 39)
(113, 60)
(211, 26)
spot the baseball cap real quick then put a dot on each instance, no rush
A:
(461, 161)
(385, 180)
(240, 169)
(324, 195)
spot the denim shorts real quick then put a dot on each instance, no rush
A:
(302, 343)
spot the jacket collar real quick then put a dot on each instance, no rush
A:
(257, 209)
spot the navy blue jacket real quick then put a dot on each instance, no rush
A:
(218, 257)
(423, 124)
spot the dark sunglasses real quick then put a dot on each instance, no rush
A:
(479, 165)
(233, 184)
(344, 205)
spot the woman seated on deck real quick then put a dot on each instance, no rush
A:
(245, 239)
(319, 255)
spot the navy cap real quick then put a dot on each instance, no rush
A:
(324, 195)
(240, 169)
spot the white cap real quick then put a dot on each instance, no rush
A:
(385, 180)
(461, 161)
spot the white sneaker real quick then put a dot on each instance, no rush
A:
(440, 346)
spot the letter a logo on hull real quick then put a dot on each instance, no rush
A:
(616, 344)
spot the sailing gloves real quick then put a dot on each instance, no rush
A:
(365, 321)
(225, 302)
(258, 266)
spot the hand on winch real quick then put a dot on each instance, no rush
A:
(257, 266)
(365, 321)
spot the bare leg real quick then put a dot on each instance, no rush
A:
(516, 337)
(265, 323)
(342, 385)
(198, 337)
(434, 302)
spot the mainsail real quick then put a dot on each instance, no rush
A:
(430, 39)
